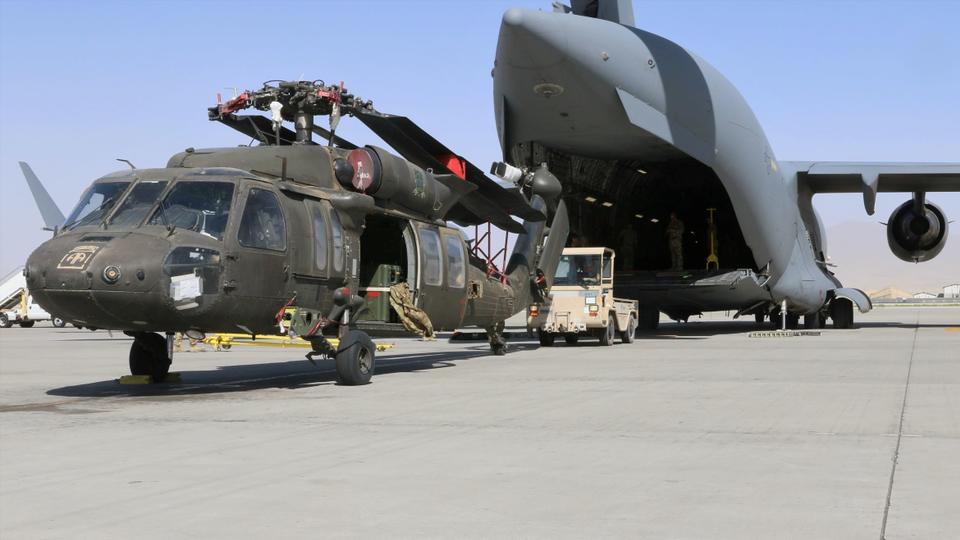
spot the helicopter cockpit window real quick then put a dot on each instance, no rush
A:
(262, 224)
(201, 207)
(95, 203)
(455, 262)
(432, 268)
(580, 270)
(137, 203)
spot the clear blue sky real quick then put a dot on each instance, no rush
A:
(82, 83)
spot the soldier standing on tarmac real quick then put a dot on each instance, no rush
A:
(675, 240)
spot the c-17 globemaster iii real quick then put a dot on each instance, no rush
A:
(227, 239)
(636, 127)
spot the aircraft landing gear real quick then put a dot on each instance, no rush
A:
(149, 355)
(760, 317)
(355, 358)
(812, 320)
(841, 311)
(498, 345)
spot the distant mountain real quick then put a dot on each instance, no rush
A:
(864, 261)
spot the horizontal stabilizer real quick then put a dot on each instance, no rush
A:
(52, 216)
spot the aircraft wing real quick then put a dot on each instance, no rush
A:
(870, 178)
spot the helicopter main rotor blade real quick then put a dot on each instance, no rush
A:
(421, 148)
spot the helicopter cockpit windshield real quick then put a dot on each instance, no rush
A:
(95, 203)
(202, 207)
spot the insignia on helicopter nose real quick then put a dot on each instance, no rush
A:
(78, 258)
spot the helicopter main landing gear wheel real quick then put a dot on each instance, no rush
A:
(498, 344)
(148, 356)
(355, 358)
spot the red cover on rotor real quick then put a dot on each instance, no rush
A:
(454, 164)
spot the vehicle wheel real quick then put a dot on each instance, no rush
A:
(841, 311)
(630, 334)
(58, 322)
(760, 317)
(27, 324)
(355, 358)
(148, 356)
(546, 338)
(793, 320)
(609, 333)
(5, 321)
(811, 320)
(571, 339)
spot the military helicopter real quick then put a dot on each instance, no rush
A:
(227, 239)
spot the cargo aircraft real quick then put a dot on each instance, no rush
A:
(636, 127)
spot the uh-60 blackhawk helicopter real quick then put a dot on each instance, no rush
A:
(226, 239)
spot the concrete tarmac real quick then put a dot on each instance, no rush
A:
(696, 432)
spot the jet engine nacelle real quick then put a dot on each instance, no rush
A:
(916, 236)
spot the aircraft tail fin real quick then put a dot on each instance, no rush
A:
(618, 11)
(52, 216)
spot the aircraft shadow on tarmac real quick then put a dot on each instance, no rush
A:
(293, 374)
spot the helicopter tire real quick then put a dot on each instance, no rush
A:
(760, 318)
(571, 339)
(546, 338)
(355, 359)
(630, 334)
(148, 356)
(27, 324)
(607, 334)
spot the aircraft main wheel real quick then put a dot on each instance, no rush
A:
(841, 311)
(630, 334)
(811, 320)
(793, 320)
(760, 317)
(571, 339)
(649, 318)
(148, 356)
(776, 320)
(546, 338)
(5, 321)
(607, 335)
(355, 358)
(58, 322)
(27, 324)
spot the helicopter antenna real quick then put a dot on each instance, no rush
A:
(127, 161)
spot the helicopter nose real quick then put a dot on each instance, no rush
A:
(103, 279)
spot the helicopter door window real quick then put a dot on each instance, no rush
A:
(319, 238)
(137, 203)
(432, 267)
(455, 262)
(201, 207)
(262, 225)
(337, 229)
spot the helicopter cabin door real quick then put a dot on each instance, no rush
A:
(256, 256)
(441, 283)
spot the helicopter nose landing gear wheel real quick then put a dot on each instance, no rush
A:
(355, 358)
(148, 356)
